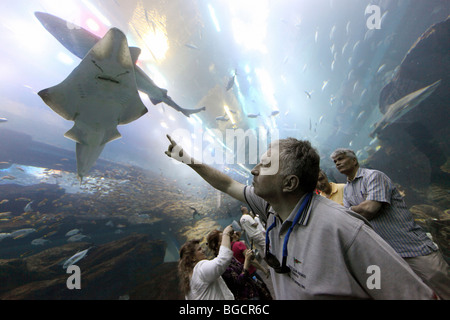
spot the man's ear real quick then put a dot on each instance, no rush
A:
(290, 183)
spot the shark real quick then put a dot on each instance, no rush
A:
(402, 106)
(79, 41)
(98, 95)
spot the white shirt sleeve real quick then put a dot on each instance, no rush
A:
(210, 270)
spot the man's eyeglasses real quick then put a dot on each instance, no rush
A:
(271, 259)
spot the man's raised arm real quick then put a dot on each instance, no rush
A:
(214, 177)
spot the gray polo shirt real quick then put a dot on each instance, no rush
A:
(334, 254)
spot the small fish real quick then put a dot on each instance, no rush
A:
(360, 115)
(4, 201)
(191, 46)
(8, 178)
(75, 258)
(3, 120)
(355, 85)
(72, 232)
(28, 207)
(347, 28)
(42, 203)
(222, 118)
(325, 83)
(350, 60)
(274, 113)
(363, 93)
(231, 81)
(39, 242)
(308, 94)
(22, 233)
(333, 30)
(344, 47)
(356, 45)
(381, 68)
(4, 236)
(316, 36)
(253, 115)
(350, 74)
(77, 237)
(320, 119)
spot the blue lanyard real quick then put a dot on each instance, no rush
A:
(296, 219)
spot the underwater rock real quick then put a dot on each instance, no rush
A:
(415, 185)
(107, 271)
(439, 195)
(425, 211)
(163, 284)
(200, 229)
(440, 231)
(422, 213)
(437, 223)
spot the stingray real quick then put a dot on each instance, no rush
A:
(98, 95)
(79, 41)
(402, 106)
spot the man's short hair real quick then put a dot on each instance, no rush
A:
(299, 158)
(346, 152)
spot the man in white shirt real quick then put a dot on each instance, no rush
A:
(254, 234)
